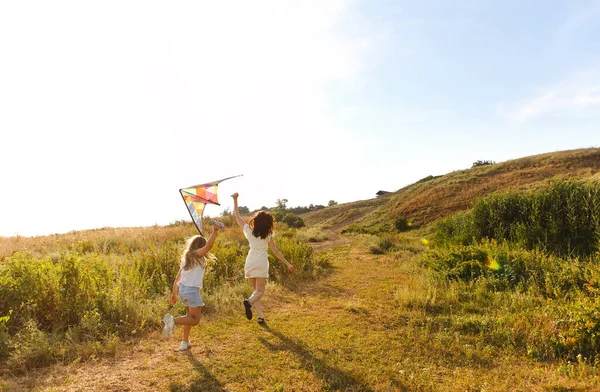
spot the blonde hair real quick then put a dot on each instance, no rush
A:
(189, 256)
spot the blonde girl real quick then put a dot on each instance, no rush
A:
(188, 284)
(259, 232)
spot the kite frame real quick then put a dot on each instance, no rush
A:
(205, 201)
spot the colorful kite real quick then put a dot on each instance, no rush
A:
(196, 197)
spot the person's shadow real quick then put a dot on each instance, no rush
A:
(333, 378)
(203, 380)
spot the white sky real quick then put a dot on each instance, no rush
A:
(108, 108)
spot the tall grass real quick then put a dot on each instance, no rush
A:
(563, 218)
(536, 256)
(78, 298)
(546, 306)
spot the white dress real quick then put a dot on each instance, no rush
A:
(257, 261)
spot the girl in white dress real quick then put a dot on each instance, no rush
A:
(259, 232)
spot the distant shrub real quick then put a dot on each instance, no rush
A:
(426, 179)
(358, 229)
(298, 210)
(384, 244)
(403, 224)
(376, 250)
(293, 221)
(482, 163)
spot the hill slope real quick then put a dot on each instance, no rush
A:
(434, 197)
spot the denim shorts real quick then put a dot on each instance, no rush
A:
(190, 296)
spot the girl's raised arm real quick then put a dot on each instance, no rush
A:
(206, 248)
(236, 212)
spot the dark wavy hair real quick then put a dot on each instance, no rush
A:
(262, 224)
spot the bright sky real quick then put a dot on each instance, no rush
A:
(108, 108)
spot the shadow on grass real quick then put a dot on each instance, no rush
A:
(202, 381)
(317, 286)
(333, 378)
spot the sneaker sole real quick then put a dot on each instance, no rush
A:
(168, 328)
(248, 309)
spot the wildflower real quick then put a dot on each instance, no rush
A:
(590, 324)
(492, 264)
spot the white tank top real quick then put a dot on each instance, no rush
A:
(192, 277)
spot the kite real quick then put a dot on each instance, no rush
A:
(196, 197)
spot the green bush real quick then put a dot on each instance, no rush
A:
(455, 229)
(4, 337)
(402, 224)
(293, 220)
(384, 244)
(299, 254)
(91, 292)
(506, 266)
(563, 218)
(358, 229)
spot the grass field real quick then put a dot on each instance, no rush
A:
(367, 326)
(369, 310)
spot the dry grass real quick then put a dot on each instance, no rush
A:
(426, 201)
(365, 327)
(456, 191)
(41, 245)
(341, 215)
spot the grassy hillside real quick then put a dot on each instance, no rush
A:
(374, 311)
(435, 197)
(339, 216)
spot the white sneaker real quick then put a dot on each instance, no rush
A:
(169, 325)
(185, 346)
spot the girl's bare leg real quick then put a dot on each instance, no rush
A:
(192, 318)
(259, 286)
(186, 328)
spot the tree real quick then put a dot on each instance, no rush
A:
(282, 203)
(332, 203)
(244, 210)
(292, 220)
